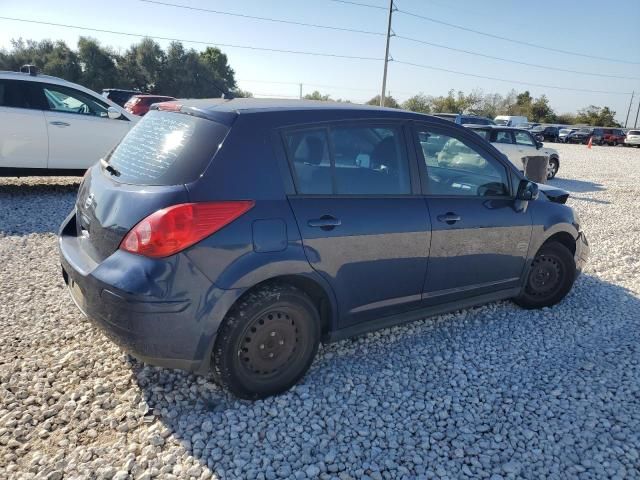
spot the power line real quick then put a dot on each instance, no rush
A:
(265, 19)
(310, 85)
(556, 87)
(200, 42)
(547, 67)
(358, 4)
(520, 42)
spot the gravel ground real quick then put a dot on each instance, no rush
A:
(492, 392)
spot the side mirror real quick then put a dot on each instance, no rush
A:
(539, 144)
(113, 114)
(527, 190)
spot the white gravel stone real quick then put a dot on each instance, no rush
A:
(491, 392)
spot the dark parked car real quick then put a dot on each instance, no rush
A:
(234, 236)
(462, 119)
(140, 104)
(583, 135)
(546, 133)
(118, 95)
(613, 136)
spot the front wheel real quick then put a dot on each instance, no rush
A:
(267, 342)
(552, 168)
(551, 276)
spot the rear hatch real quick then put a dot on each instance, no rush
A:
(146, 172)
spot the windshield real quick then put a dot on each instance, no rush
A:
(585, 130)
(634, 132)
(565, 131)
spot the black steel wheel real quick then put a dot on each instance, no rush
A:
(551, 276)
(267, 342)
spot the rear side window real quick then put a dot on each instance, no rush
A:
(167, 148)
(501, 137)
(16, 94)
(350, 160)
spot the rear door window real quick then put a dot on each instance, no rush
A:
(350, 160)
(18, 94)
(523, 138)
(167, 148)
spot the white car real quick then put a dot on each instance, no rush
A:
(51, 126)
(511, 121)
(517, 143)
(632, 139)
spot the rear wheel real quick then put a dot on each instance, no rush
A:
(267, 342)
(551, 277)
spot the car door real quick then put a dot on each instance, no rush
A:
(80, 131)
(364, 225)
(504, 142)
(479, 238)
(525, 144)
(23, 133)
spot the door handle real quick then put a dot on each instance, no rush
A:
(325, 222)
(449, 218)
(60, 124)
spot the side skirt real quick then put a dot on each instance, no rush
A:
(393, 320)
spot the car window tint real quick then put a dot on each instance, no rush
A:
(15, 94)
(501, 137)
(309, 152)
(523, 138)
(370, 161)
(456, 168)
(68, 100)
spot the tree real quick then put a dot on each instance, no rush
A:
(220, 74)
(239, 93)
(98, 64)
(51, 58)
(418, 103)
(541, 111)
(142, 64)
(597, 116)
(316, 95)
(389, 101)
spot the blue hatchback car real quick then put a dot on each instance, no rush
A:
(234, 236)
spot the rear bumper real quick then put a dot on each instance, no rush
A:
(631, 142)
(162, 311)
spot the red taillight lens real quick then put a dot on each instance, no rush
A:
(172, 229)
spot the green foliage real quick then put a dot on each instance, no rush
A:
(316, 95)
(389, 101)
(418, 103)
(597, 116)
(144, 66)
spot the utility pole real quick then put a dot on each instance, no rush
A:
(300, 91)
(635, 124)
(386, 55)
(629, 111)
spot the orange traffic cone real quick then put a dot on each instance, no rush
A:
(590, 143)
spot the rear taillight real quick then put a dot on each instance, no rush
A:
(172, 229)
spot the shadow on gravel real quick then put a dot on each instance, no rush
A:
(37, 206)
(491, 390)
(590, 200)
(579, 186)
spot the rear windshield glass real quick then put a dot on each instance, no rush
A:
(634, 132)
(166, 148)
(502, 122)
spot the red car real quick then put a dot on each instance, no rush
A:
(139, 104)
(613, 136)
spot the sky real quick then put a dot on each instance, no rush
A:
(584, 26)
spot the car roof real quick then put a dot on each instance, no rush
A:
(225, 110)
(150, 95)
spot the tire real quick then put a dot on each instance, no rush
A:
(552, 169)
(550, 278)
(267, 342)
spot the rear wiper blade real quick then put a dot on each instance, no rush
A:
(109, 168)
